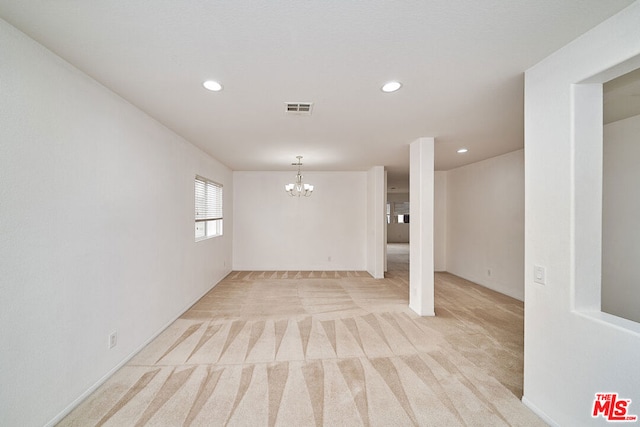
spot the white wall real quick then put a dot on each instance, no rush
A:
(485, 223)
(96, 219)
(572, 351)
(440, 221)
(274, 231)
(620, 215)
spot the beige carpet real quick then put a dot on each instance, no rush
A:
(325, 348)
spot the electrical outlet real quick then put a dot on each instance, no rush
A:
(113, 339)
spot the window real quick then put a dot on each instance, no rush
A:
(401, 210)
(398, 213)
(208, 195)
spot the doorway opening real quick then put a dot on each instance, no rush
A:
(398, 223)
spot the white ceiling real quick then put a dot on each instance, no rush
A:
(461, 63)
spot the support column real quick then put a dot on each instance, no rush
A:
(421, 196)
(376, 224)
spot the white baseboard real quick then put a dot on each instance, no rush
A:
(539, 413)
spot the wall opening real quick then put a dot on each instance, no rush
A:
(592, 203)
(620, 286)
(398, 217)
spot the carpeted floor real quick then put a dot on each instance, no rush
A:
(325, 348)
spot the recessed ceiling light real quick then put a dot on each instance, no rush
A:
(391, 86)
(462, 150)
(212, 85)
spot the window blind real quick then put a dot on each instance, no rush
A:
(401, 208)
(208, 200)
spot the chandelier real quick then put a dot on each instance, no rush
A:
(299, 188)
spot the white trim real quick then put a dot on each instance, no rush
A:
(539, 413)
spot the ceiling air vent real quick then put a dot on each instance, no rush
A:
(303, 108)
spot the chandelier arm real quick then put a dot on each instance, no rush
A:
(299, 188)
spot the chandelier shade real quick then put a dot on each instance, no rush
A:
(298, 188)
